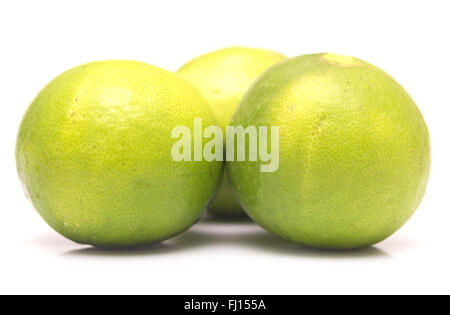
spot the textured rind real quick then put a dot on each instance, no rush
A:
(354, 153)
(94, 154)
(223, 77)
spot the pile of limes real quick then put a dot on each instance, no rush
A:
(94, 150)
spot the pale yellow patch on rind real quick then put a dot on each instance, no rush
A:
(341, 60)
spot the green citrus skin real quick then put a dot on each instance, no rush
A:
(354, 153)
(94, 155)
(223, 77)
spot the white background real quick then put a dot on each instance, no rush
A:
(40, 39)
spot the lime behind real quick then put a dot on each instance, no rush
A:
(354, 153)
(94, 155)
(223, 77)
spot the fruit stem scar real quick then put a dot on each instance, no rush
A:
(341, 60)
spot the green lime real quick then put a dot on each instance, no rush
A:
(354, 152)
(94, 155)
(223, 77)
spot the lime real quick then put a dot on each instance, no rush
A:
(223, 77)
(94, 154)
(354, 152)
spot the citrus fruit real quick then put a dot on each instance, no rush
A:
(94, 154)
(354, 153)
(223, 77)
